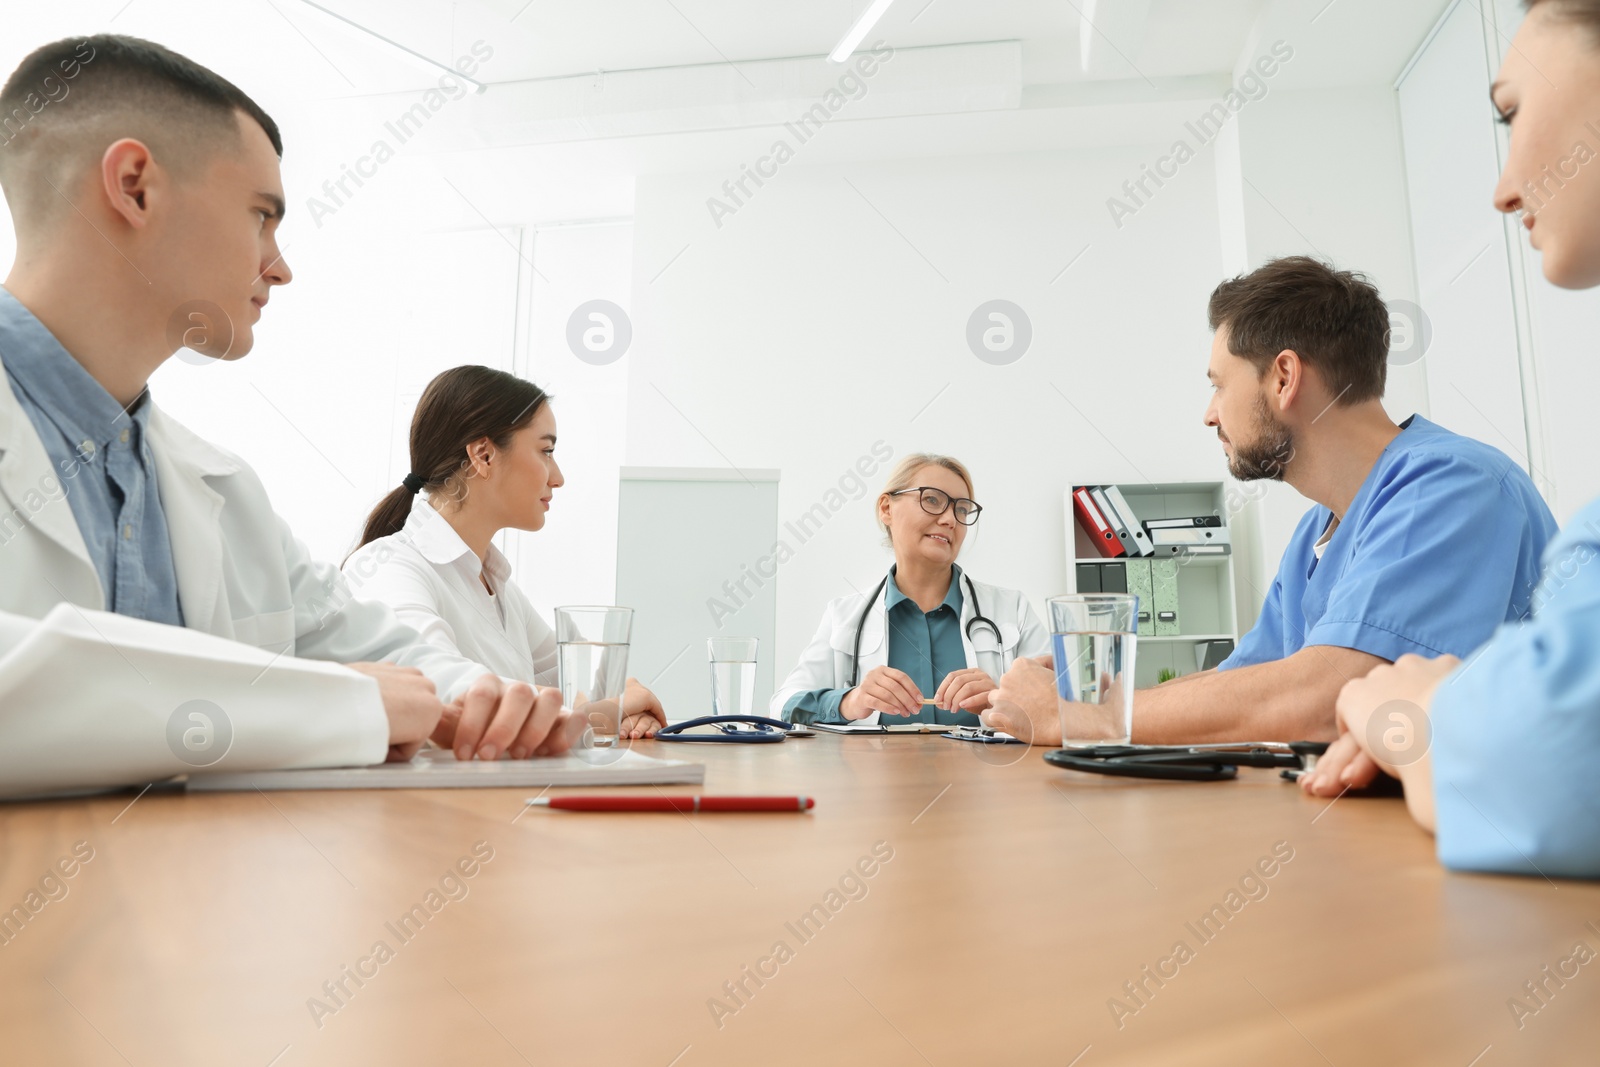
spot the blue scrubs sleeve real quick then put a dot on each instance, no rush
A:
(1516, 730)
(1436, 573)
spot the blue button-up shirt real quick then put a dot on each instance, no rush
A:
(102, 456)
(926, 646)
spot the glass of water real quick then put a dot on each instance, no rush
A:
(733, 675)
(1093, 636)
(592, 651)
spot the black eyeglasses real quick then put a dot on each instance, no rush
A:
(935, 501)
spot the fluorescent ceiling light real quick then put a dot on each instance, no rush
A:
(1086, 32)
(869, 18)
(417, 59)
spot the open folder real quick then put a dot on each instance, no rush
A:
(91, 701)
(439, 769)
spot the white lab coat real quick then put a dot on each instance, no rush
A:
(826, 662)
(241, 575)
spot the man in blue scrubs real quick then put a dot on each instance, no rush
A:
(1419, 541)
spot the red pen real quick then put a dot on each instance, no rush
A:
(683, 804)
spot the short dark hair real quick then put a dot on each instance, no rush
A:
(118, 87)
(1334, 320)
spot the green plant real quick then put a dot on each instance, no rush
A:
(1165, 674)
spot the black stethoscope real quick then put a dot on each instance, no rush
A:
(764, 730)
(978, 620)
(1193, 763)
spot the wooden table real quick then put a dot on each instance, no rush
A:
(1018, 901)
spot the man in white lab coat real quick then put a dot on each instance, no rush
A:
(146, 195)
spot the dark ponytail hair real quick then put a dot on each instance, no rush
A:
(460, 406)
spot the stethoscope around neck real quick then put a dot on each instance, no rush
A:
(978, 621)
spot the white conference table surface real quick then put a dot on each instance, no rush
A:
(1018, 901)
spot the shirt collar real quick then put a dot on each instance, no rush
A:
(69, 396)
(432, 535)
(952, 597)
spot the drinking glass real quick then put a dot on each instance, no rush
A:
(1093, 636)
(592, 659)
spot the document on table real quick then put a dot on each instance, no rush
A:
(881, 728)
(439, 769)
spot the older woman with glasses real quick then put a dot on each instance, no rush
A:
(926, 628)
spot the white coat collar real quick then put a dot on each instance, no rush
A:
(187, 450)
(183, 461)
(431, 534)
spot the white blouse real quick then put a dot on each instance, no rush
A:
(429, 576)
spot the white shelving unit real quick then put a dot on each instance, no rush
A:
(1208, 607)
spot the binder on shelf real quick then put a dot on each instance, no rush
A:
(1089, 578)
(1213, 521)
(1118, 526)
(1164, 595)
(1182, 551)
(1195, 535)
(1210, 654)
(1114, 577)
(1140, 585)
(1129, 522)
(1094, 524)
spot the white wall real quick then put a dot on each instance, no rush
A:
(811, 326)
(1316, 172)
(573, 559)
(1462, 250)
(1564, 326)
(1511, 359)
(322, 406)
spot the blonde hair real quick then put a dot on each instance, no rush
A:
(903, 473)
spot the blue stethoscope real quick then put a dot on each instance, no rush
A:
(979, 621)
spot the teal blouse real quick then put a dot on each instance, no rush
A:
(926, 646)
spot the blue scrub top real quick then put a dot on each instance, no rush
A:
(1516, 730)
(925, 645)
(1441, 544)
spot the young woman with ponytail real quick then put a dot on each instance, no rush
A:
(482, 460)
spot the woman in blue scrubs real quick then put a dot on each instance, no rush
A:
(1498, 754)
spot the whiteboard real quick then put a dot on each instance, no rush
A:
(694, 561)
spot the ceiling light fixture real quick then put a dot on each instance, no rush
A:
(869, 18)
